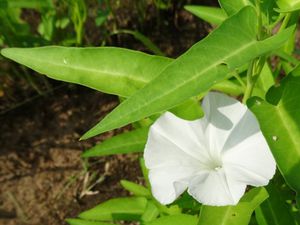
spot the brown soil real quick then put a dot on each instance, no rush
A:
(42, 177)
(41, 173)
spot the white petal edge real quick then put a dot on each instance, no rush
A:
(214, 188)
(182, 136)
(168, 183)
(222, 114)
(171, 156)
(251, 161)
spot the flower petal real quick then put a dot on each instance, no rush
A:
(222, 114)
(244, 128)
(173, 154)
(216, 189)
(250, 161)
(172, 139)
(167, 183)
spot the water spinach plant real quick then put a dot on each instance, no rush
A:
(250, 56)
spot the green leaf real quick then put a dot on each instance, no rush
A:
(151, 212)
(26, 3)
(107, 69)
(128, 142)
(288, 5)
(231, 7)
(188, 110)
(296, 71)
(135, 189)
(206, 63)
(213, 15)
(279, 119)
(229, 87)
(128, 209)
(265, 82)
(116, 71)
(142, 38)
(233, 215)
(181, 219)
(287, 57)
(275, 210)
(269, 15)
(187, 203)
(85, 222)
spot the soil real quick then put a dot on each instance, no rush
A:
(43, 179)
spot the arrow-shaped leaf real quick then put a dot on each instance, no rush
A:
(279, 119)
(130, 208)
(213, 15)
(233, 215)
(232, 7)
(132, 141)
(107, 69)
(203, 65)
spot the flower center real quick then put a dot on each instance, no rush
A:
(217, 168)
(214, 165)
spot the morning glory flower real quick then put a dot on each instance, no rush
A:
(214, 158)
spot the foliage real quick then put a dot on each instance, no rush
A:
(234, 58)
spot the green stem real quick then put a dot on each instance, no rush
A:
(259, 25)
(250, 85)
(273, 25)
(285, 22)
(239, 79)
(229, 87)
(253, 73)
(255, 65)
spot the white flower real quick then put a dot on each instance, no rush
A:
(214, 158)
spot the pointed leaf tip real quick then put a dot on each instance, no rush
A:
(4, 52)
(157, 96)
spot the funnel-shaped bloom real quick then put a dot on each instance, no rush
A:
(214, 158)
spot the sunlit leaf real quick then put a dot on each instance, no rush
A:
(85, 222)
(130, 208)
(136, 189)
(188, 110)
(264, 82)
(268, 12)
(276, 210)
(142, 38)
(288, 5)
(107, 69)
(232, 7)
(180, 219)
(151, 212)
(213, 15)
(206, 63)
(128, 142)
(233, 215)
(26, 3)
(279, 119)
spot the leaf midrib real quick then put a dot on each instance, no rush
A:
(72, 66)
(191, 79)
(286, 120)
(272, 213)
(121, 145)
(224, 222)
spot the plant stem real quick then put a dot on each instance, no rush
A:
(257, 64)
(259, 25)
(273, 25)
(239, 79)
(250, 84)
(254, 70)
(285, 22)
